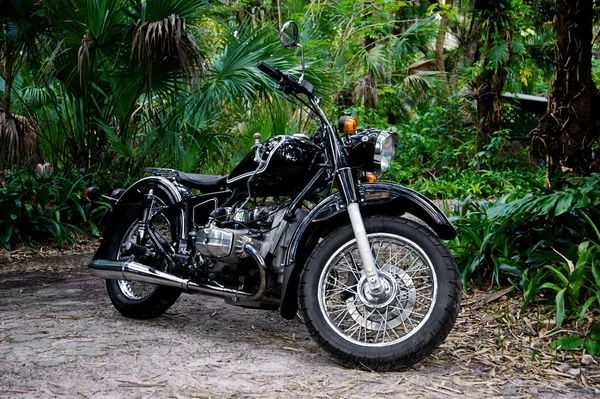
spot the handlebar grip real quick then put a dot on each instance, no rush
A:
(269, 70)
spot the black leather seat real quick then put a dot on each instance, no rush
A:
(204, 183)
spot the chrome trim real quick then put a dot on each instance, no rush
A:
(364, 248)
(169, 188)
(134, 271)
(260, 262)
(369, 324)
(202, 203)
(261, 167)
(379, 143)
(169, 185)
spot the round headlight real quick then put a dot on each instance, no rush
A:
(385, 147)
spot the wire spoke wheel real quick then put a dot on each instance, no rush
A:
(130, 242)
(410, 286)
(161, 226)
(396, 326)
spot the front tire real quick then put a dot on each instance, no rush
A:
(134, 299)
(390, 333)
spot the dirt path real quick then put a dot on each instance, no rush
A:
(61, 337)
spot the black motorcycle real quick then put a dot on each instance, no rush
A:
(300, 225)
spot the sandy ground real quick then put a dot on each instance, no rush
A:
(61, 337)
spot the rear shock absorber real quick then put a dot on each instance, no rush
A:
(131, 248)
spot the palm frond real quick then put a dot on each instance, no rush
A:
(234, 75)
(366, 90)
(421, 86)
(17, 140)
(413, 40)
(157, 10)
(165, 40)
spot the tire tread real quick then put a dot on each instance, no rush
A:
(425, 346)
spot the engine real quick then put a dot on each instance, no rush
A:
(229, 230)
(221, 243)
(225, 245)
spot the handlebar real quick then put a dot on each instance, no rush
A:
(287, 83)
(269, 70)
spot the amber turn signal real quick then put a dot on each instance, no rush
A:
(348, 124)
(92, 194)
(370, 177)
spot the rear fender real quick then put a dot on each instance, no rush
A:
(131, 201)
(375, 199)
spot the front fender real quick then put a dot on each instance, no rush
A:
(375, 199)
(131, 201)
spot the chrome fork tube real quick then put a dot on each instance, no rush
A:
(351, 197)
(364, 249)
(348, 188)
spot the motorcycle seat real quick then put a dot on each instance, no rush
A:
(204, 183)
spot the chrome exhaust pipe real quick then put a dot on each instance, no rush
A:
(134, 271)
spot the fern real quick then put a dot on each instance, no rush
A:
(498, 53)
(518, 48)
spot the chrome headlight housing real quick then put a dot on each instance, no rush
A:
(372, 149)
(385, 147)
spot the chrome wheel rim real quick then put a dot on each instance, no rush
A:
(409, 280)
(138, 290)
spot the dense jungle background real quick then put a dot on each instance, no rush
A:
(493, 102)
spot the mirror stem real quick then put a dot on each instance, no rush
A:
(302, 54)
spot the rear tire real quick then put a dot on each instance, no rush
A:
(391, 333)
(134, 299)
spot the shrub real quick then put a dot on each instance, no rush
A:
(437, 156)
(544, 241)
(36, 209)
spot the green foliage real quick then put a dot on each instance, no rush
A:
(36, 209)
(591, 341)
(437, 156)
(546, 242)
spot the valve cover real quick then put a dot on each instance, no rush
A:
(226, 245)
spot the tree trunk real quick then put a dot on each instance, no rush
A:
(490, 82)
(369, 90)
(9, 77)
(439, 46)
(489, 103)
(567, 134)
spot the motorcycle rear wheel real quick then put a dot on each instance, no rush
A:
(381, 333)
(140, 300)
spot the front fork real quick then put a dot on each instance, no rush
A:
(350, 192)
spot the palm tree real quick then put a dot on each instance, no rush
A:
(133, 60)
(373, 59)
(20, 29)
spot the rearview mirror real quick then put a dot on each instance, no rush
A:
(289, 34)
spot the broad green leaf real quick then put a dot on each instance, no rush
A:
(560, 307)
(595, 332)
(546, 207)
(583, 202)
(567, 343)
(564, 204)
(585, 308)
(551, 286)
(558, 274)
(591, 347)
(596, 271)
(29, 209)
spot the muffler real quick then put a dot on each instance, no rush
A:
(134, 271)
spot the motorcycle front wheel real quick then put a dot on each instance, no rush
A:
(381, 332)
(134, 299)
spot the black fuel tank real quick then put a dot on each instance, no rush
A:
(288, 164)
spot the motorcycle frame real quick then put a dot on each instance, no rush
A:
(371, 198)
